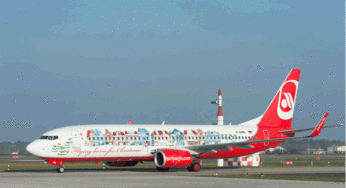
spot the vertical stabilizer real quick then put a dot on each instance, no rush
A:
(280, 111)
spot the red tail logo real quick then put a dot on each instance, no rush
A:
(286, 100)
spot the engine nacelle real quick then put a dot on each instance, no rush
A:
(121, 163)
(172, 158)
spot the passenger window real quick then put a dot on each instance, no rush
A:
(89, 138)
(122, 138)
(203, 137)
(147, 138)
(93, 138)
(166, 138)
(189, 138)
(113, 138)
(239, 137)
(242, 137)
(101, 138)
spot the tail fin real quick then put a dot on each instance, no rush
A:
(280, 111)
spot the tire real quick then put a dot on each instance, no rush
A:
(189, 168)
(57, 169)
(194, 167)
(162, 169)
(61, 169)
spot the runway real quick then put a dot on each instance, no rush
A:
(173, 178)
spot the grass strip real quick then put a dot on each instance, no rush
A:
(277, 177)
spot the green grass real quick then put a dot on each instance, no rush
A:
(278, 177)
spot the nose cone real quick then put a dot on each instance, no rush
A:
(32, 148)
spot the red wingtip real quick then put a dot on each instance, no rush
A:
(319, 126)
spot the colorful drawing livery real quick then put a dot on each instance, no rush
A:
(173, 146)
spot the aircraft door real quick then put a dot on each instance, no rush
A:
(75, 139)
(266, 136)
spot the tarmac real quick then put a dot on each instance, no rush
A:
(127, 177)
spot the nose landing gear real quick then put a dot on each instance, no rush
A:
(60, 169)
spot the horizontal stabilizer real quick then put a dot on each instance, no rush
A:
(307, 129)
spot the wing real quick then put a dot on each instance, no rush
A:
(247, 144)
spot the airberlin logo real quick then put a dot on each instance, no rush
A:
(286, 101)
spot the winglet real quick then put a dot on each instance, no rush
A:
(319, 126)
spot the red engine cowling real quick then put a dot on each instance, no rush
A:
(121, 163)
(172, 158)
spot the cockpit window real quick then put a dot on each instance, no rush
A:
(44, 137)
(55, 137)
(50, 138)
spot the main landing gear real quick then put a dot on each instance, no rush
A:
(194, 167)
(60, 169)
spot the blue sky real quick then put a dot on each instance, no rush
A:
(81, 62)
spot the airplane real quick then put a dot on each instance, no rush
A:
(174, 146)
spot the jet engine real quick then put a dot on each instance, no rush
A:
(121, 163)
(172, 158)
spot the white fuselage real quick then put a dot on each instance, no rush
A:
(111, 141)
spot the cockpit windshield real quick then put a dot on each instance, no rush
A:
(49, 137)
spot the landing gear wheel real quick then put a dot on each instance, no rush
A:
(60, 169)
(162, 169)
(194, 167)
